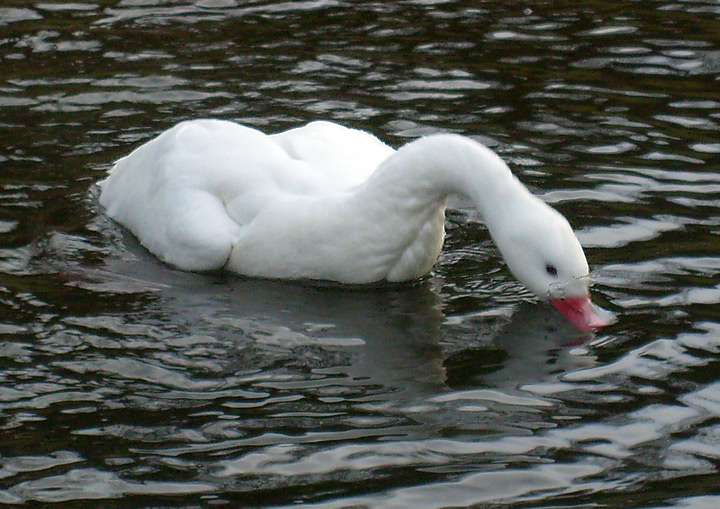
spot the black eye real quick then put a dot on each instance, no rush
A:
(550, 269)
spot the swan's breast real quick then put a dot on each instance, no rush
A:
(420, 254)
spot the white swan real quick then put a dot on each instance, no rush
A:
(331, 203)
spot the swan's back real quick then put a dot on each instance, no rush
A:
(345, 156)
(188, 194)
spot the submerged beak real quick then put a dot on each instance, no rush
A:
(581, 312)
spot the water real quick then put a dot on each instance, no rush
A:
(124, 383)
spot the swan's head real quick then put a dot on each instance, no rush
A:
(542, 251)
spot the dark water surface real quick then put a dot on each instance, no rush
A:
(124, 383)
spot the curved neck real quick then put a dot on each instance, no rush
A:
(426, 171)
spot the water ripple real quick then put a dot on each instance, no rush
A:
(125, 382)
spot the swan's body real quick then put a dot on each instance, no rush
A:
(332, 203)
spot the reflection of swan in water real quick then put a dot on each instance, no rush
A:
(533, 347)
(389, 337)
(386, 336)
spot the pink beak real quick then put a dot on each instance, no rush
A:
(580, 311)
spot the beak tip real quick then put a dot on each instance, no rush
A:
(582, 313)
